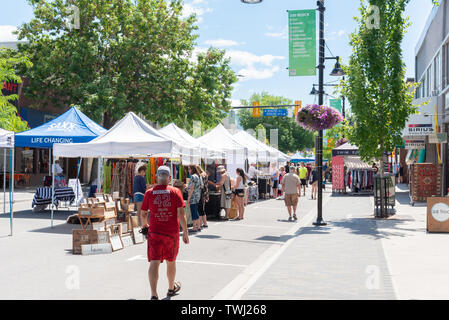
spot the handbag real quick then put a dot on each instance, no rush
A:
(228, 193)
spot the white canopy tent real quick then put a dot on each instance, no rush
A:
(198, 149)
(221, 139)
(257, 150)
(7, 143)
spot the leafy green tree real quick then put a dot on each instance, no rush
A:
(9, 62)
(381, 100)
(291, 137)
(126, 55)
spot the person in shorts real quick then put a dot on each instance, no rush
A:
(291, 186)
(303, 177)
(166, 206)
(139, 189)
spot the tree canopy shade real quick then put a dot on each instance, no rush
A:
(291, 137)
(381, 100)
(10, 60)
(126, 55)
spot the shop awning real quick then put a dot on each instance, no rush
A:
(355, 163)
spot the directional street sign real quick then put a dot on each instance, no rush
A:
(274, 112)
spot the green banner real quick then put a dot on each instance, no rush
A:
(302, 42)
(336, 104)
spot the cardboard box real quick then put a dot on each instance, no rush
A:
(100, 248)
(82, 237)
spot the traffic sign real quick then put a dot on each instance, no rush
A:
(274, 112)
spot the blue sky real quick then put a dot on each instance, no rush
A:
(256, 38)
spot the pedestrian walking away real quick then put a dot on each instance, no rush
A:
(167, 212)
(303, 177)
(291, 186)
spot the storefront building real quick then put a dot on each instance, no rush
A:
(432, 74)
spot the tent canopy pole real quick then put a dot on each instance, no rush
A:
(52, 189)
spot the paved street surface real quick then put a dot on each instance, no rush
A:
(261, 257)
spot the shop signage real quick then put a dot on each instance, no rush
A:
(274, 112)
(9, 88)
(438, 214)
(438, 138)
(354, 152)
(419, 129)
(51, 140)
(415, 144)
(302, 42)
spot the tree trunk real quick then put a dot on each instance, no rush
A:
(108, 120)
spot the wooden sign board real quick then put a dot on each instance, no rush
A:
(98, 226)
(438, 214)
(138, 237)
(116, 229)
(100, 248)
(116, 242)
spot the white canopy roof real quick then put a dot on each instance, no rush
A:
(6, 138)
(221, 139)
(184, 139)
(129, 137)
(257, 150)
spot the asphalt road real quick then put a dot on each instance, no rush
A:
(221, 262)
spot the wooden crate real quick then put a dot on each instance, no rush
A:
(81, 237)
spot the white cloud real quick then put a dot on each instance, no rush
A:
(6, 33)
(248, 59)
(279, 34)
(195, 7)
(221, 43)
(252, 73)
(249, 65)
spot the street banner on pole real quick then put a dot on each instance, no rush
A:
(302, 42)
(336, 104)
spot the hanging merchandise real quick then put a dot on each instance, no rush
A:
(181, 173)
(130, 181)
(148, 175)
(115, 178)
(107, 177)
(160, 162)
(122, 176)
(153, 170)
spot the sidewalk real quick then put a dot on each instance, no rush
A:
(344, 260)
(358, 257)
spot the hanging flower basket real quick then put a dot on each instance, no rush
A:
(314, 117)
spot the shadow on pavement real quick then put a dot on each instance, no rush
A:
(29, 214)
(58, 229)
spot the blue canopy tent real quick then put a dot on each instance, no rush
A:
(73, 126)
(298, 158)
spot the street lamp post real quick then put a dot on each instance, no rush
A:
(319, 138)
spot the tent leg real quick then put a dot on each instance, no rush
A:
(11, 187)
(80, 160)
(49, 161)
(172, 169)
(4, 181)
(52, 189)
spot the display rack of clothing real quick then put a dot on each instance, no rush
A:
(360, 181)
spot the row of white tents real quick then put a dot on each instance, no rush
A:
(132, 137)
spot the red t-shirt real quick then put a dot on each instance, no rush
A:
(163, 203)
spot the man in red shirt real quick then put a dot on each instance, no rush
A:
(166, 207)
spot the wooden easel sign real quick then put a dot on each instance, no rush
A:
(138, 237)
(116, 242)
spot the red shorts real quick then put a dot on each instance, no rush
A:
(162, 246)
